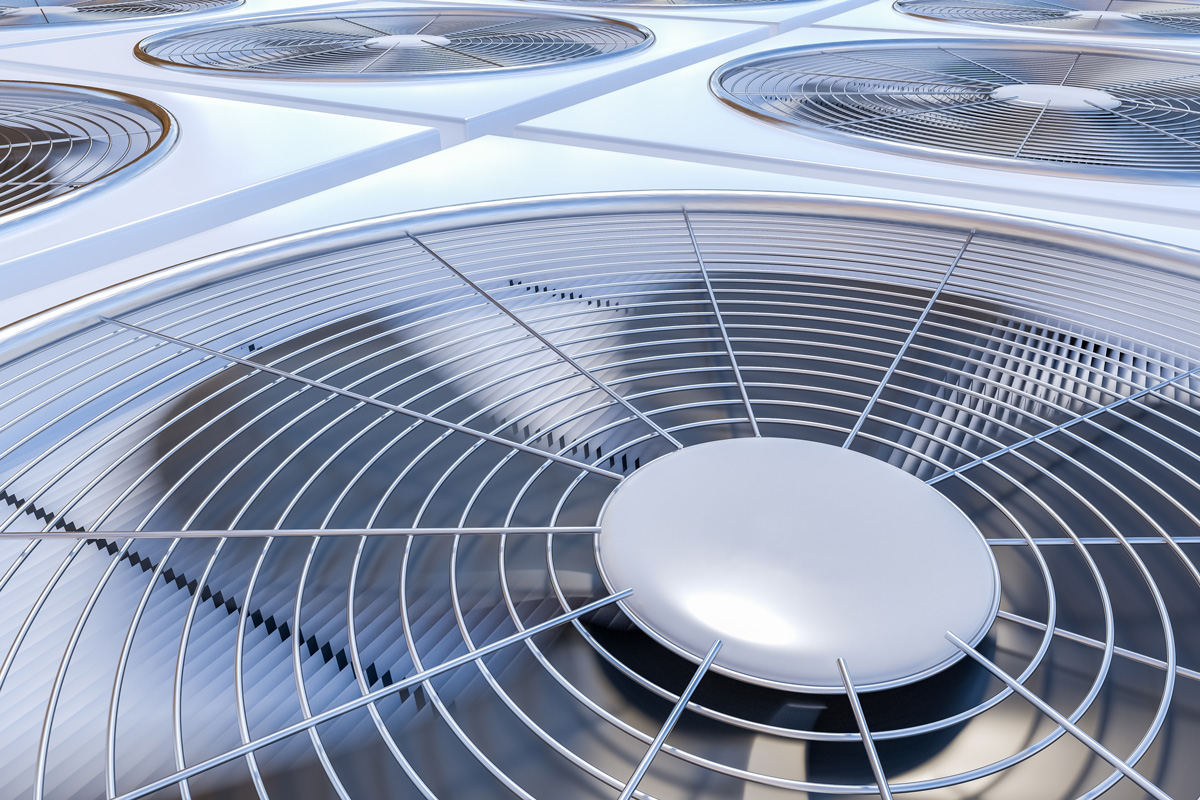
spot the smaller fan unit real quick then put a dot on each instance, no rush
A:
(1095, 111)
(1120, 18)
(52, 12)
(392, 44)
(57, 140)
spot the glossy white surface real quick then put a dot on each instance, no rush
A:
(406, 40)
(1062, 98)
(795, 554)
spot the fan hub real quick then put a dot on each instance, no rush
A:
(795, 554)
(406, 40)
(1108, 16)
(1061, 98)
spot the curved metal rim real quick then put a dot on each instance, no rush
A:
(975, 638)
(73, 315)
(224, 7)
(1154, 34)
(1082, 171)
(159, 149)
(139, 50)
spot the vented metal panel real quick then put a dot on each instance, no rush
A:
(1095, 111)
(1114, 17)
(389, 44)
(52, 12)
(57, 140)
(448, 399)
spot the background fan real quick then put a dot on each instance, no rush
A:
(49, 12)
(392, 43)
(1114, 17)
(1095, 111)
(57, 140)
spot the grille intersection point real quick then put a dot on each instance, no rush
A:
(391, 44)
(56, 12)
(487, 377)
(58, 140)
(1119, 18)
(1097, 112)
(795, 554)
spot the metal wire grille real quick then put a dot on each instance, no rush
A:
(48, 12)
(1115, 17)
(1135, 113)
(398, 437)
(56, 140)
(389, 44)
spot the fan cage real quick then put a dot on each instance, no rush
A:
(1146, 17)
(1083, 359)
(59, 115)
(184, 48)
(74, 12)
(1168, 157)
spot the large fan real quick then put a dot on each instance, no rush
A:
(1115, 17)
(389, 44)
(58, 140)
(1096, 111)
(453, 505)
(49, 12)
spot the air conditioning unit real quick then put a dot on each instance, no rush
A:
(805, 414)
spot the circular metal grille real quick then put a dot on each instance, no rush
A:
(1116, 17)
(389, 44)
(49, 12)
(57, 140)
(319, 508)
(1123, 113)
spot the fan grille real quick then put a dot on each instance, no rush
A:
(1134, 113)
(56, 140)
(389, 44)
(489, 371)
(1119, 18)
(48, 12)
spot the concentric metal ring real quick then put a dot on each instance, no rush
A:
(1119, 18)
(60, 12)
(392, 44)
(962, 99)
(56, 140)
(272, 485)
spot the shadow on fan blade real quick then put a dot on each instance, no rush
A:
(955, 689)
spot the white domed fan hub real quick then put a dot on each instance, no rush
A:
(795, 554)
(1060, 98)
(1107, 16)
(407, 40)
